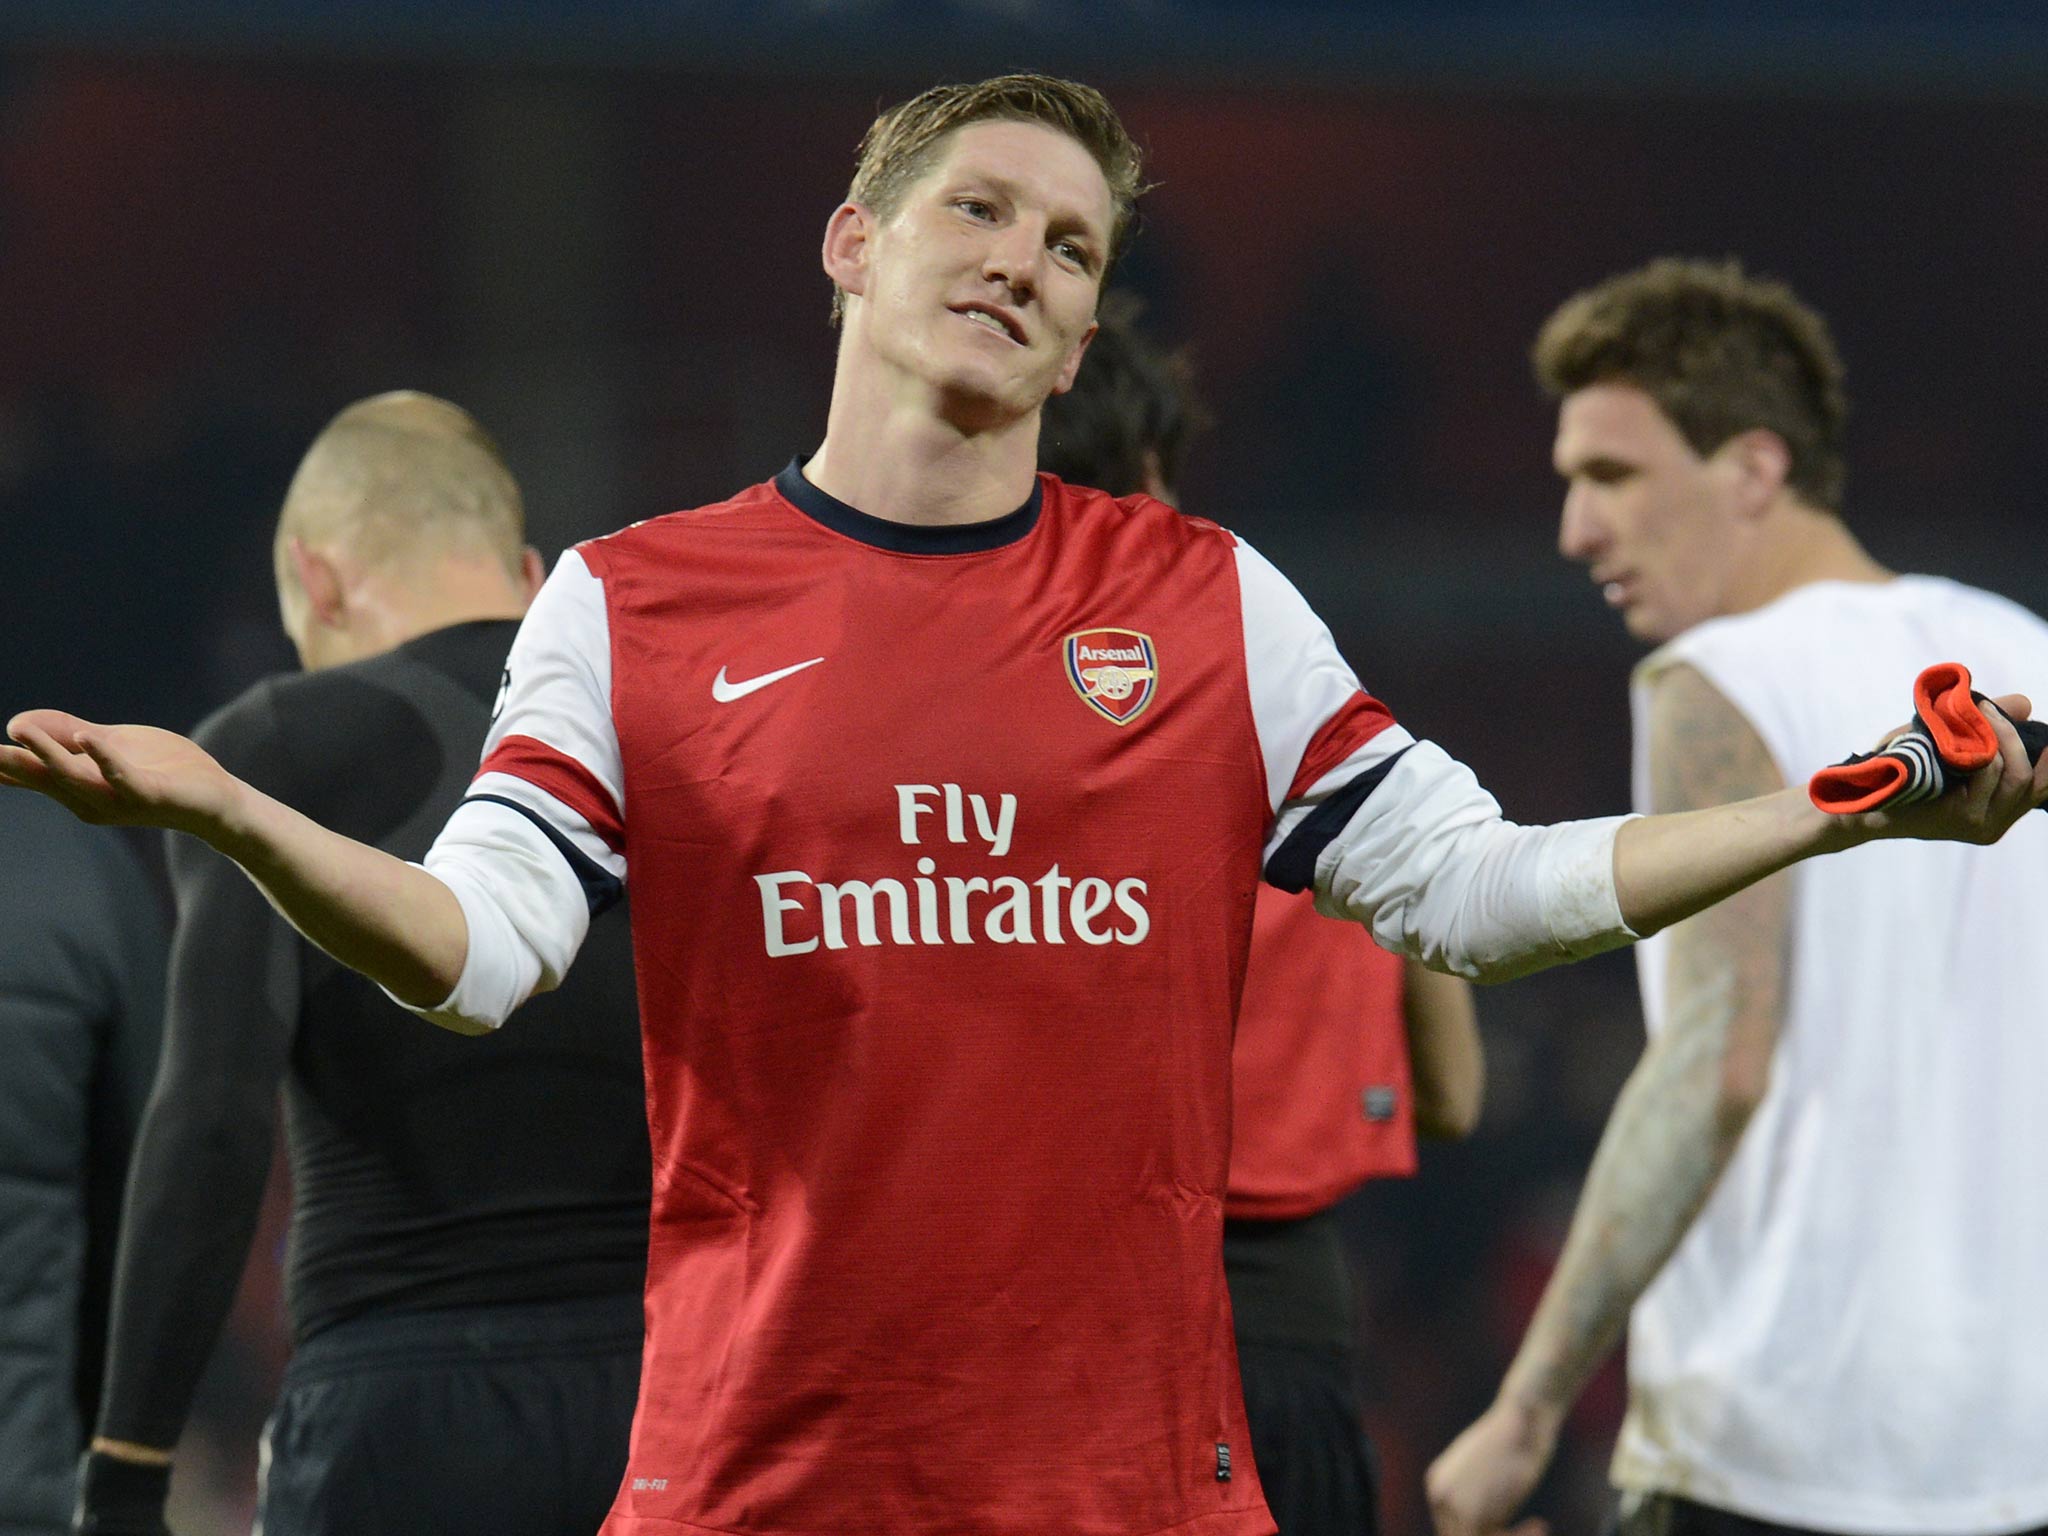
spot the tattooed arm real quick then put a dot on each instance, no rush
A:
(1673, 1130)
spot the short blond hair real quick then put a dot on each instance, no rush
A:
(398, 478)
(901, 144)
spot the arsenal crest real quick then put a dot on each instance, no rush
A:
(1115, 671)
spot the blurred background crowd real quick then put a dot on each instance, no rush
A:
(596, 225)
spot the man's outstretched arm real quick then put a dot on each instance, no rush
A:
(1674, 1128)
(1401, 837)
(509, 887)
(1667, 867)
(395, 923)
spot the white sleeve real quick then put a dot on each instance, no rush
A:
(1427, 862)
(1394, 833)
(538, 846)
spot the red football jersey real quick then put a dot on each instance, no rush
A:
(1321, 1087)
(943, 846)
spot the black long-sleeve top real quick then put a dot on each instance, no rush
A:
(429, 1170)
(81, 1016)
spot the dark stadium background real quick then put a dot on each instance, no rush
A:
(596, 224)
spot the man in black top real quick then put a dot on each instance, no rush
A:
(81, 1017)
(469, 1223)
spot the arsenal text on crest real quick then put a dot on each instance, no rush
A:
(1115, 671)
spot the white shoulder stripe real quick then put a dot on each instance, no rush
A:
(559, 683)
(1292, 666)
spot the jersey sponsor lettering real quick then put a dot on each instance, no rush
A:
(801, 913)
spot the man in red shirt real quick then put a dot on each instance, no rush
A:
(945, 792)
(1343, 1052)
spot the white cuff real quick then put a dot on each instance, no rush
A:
(498, 973)
(526, 909)
(1575, 884)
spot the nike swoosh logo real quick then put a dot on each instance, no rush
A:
(726, 692)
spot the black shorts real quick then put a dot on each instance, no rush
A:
(1308, 1442)
(1664, 1514)
(486, 1421)
(1290, 1291)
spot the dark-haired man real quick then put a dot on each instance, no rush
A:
(468, 1234)
(945, 791)
(1818, 1189)
(1132, 414)
(1344, 1052)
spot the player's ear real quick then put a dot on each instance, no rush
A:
(533, 571)
(1072, 365)
(320, 579)
(848, 234)
(1762, 462)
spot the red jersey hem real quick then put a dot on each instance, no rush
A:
(1293, 1207)
(1224, 1522)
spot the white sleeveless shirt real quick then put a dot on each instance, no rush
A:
(1854, 1334)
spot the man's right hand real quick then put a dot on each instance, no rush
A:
(120, 1497)
(397, 924)
(127, 775)
(1485, 1475)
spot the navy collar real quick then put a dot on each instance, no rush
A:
(907, 538)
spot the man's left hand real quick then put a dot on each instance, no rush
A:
(1983, 807)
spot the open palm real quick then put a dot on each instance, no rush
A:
(129, 775)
